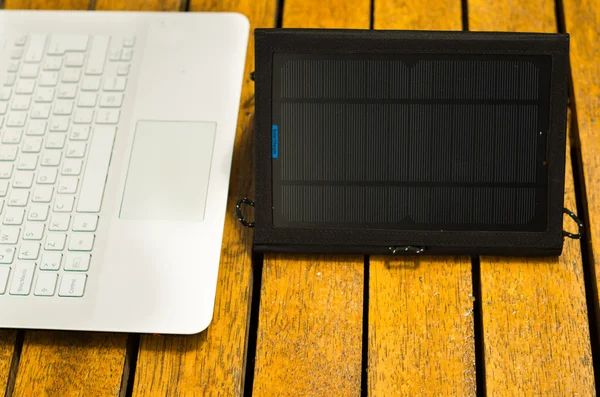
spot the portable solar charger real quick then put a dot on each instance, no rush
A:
(388, 142)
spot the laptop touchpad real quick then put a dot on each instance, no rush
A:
(168, 171)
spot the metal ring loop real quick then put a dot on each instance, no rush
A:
(238, 211)
(579, 223)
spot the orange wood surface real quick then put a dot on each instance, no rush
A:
(48, 4)
(140, 5)
(421, 339)
(536, 333)
(582, 20)
(7, 352)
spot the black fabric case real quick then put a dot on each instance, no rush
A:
(355, 217)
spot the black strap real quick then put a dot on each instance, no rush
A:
(579, 223)
(238, 211)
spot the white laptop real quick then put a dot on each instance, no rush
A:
(116, 142)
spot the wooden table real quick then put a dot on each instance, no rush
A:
(354, 325)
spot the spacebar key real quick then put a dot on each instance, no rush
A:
(96, 170)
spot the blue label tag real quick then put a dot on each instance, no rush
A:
(275, 141)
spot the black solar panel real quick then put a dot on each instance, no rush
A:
(414, 142)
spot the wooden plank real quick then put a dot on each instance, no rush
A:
(420, 307)
(310, 324)
(48, 4)
(213, 362)
(536, 334)
(140, 5)
(70, 364)
(7, 351)
(582, 19)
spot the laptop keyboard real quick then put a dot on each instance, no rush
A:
(60, 103)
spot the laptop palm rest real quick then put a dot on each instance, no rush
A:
(169, 170)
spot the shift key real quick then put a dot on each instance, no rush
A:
(96, 170)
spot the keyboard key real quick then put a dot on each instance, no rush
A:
(5, 93)
(59, 123)
(33, 231)
(52, 63)
(29, 251)
(56, 141)
(114, 100)
(114, 54)
(18, 198)
(59, 222)
(75, 149)
(51, 261)
(12, 135)
(77, 262)
(36, 127)
(90, 83)
(114, 83)
(35, 49)
(3, 107)
(67, 91)
(27, 161)
(97, 57)
(3, 188)
(21, 41)
(23, 179)
(1, 120)
(13, 66)
(81, 242)
(107, 116)
(29, 71)
(94, 178)
(67, 184)
(45, 284)
(16, 119)
(75, 59)
(79, 132)
(64, 203)
(16, 53)
(38, 212)
(123, 69)
(44, 94)
(63, 107)
(4, 274)
(55, 241)
(7, 255)
(85, 223)
(22, 278)
(51, 157)
(126, 54)
(6, 170)
(9, 235)
(25, 87)
(8, 153)
(47, 175)
(48, 79)
(83, 116)
(71, 167)
(71, 75)
(42, 194)
(87, 99)
(13, 216)
(40, 111)
(32, 145)
(21, 102)
(10, 79)
(128, 41)
(72, 285)
(61, 43)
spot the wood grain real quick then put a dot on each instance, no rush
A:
(7, 351)
(213, 362)
(310, 324)
(536, 334)
(582, 19)
(420, 309)
(140, 5)
(70, 364)
(310, 327)
(48, 4)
